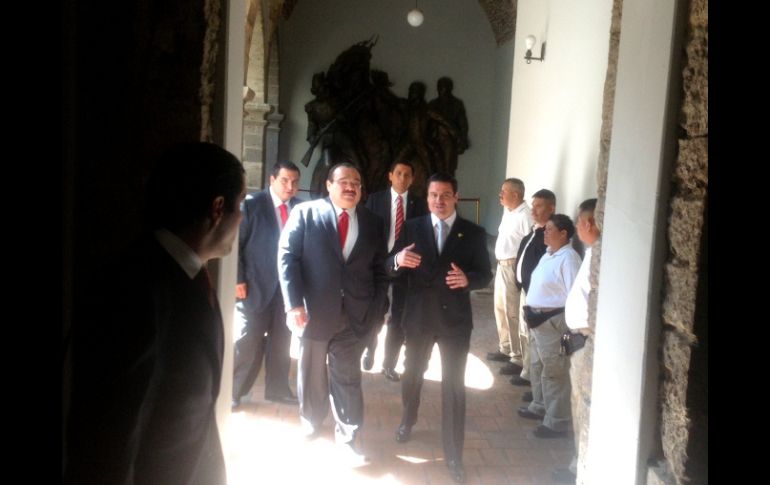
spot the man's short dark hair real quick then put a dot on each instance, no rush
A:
(403, 162)
(287, 165)
(563, 223)
(330, 176)
(187, 179)
(444, 177)
(588, 205)
(545, 194)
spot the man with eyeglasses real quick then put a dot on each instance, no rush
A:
(331, 266)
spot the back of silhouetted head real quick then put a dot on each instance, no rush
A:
(443, 177)
(287, 165)
(545, 194)
(330, 177)
(563, 223)
(588, 205)
(187, 179)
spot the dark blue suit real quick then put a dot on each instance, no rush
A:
(147, 365)
(343, 299)
(262, 309)
(435, 313)
(381, 204)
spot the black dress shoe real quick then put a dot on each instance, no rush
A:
(543, 431)
(524, 412)
(498, 356)
(283, 399)
(519, 381)
(563, 475)
(391, 375)
(456, 470)
(527, 396)
(368, 360)
(510, 369)
(403, 433)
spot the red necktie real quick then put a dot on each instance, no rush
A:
(399, 217)
(204, 281)
(284, 214)
(342, 227)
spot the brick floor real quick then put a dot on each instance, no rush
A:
(265, 447)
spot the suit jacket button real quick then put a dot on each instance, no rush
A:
(443, 306)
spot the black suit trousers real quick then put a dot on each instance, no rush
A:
(394, 338)
(454, 356)
(252, 346)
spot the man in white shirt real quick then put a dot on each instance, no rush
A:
(548, 288)
(514, 226)
(576, 313)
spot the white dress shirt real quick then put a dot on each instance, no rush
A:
(277, 207)
(514, 226)
(180, 252)
(576, 309)
(350, 239)
(392, 236)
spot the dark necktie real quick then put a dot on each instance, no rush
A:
(284, 214)
(342, 227)
(399, 217)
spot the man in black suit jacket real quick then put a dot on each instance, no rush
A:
(531, 249)
(385, 204)
(147, 355)
(260, 303)
(445, 257)
(331, 266)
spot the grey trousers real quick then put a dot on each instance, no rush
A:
(340, 381)
(549, 373)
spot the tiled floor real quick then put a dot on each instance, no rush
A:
(265, 446)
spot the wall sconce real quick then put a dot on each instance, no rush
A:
(415, 16)
(530, 43)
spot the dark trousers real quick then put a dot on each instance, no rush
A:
(252, 346)
(341, 382)
(394, 339)
(454, 355)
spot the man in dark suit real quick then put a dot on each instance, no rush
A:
(445, 257)
(260, 303)
(394, 205)
(531, 249)
(331, 266)
(147, 355)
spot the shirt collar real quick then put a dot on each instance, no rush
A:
(184, 256)
(276, 201)
(449, 220)
(394, 194)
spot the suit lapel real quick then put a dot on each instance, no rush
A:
(329, 221)
(386, 203)
(453, 238)
(268, 212)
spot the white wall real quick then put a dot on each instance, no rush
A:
(624, 393)
(556, 104)
(501, 114)
(455, 40)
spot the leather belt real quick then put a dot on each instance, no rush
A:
(544, 309)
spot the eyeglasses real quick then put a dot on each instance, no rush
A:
(348, 183)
